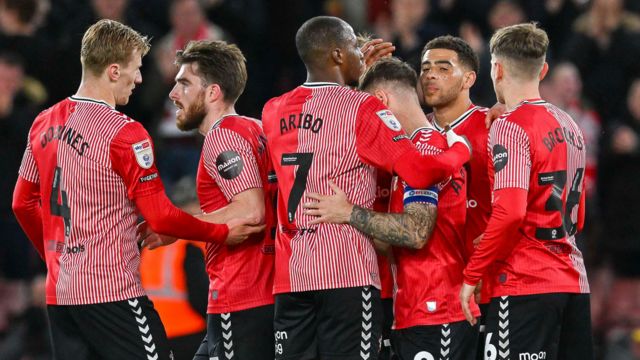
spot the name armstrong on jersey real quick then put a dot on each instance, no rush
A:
(61, 132)
(301, 121)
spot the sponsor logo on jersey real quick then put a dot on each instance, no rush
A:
(533, 356)
(500, 157)
(389, 119)
(229, 164)
(399, 137)
(144, 153)
(148, 177)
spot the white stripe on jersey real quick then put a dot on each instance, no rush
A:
(102, 217)
(517, 171)
(337, 255)
(575, 159)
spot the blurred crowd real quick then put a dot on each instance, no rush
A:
(595, 77)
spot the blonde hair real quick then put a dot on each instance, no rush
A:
(110, 42)
(524, 46)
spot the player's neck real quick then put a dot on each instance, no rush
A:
(448, 113)
(214, 114)
(94, 89)
(325, 75)
(411, 118)
(519, 92)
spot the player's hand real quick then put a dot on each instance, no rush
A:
(477, 240)
(374, 50)
(241, 229)
(155, 241)
(465, 297)
(495, 112)
(335, 209)
(453, 138)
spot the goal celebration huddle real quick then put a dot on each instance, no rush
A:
(345, 223)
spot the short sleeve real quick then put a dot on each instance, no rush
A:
(380, 140)
(132, 157)
(28, 168)
(230, 161)
(510, 151)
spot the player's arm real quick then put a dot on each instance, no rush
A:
(410, 229)
(381, 142)
(132, 158)
(26, 201)
(28, 212)
(512, 167)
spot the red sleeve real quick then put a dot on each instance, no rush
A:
(26, 207)
(230, 161)
(132, 158)
(509, 210)
(511, 155)
(421, 171)
(164, 218)
(380, 140)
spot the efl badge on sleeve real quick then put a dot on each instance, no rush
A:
(144, 153)
(389, 119)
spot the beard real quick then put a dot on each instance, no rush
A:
(193, 115)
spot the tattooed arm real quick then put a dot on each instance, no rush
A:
(410, 229)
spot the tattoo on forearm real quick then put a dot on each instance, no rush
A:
(410, 229)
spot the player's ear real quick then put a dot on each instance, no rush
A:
(113, 71)
(337, 56)
(213, 93)
(544, 71)
(382, 96)
(468, 79)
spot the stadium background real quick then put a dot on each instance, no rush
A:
(595, 75)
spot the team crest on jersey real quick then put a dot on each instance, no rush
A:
(389, 119)
(143, 153)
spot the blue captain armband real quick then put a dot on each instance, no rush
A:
(429, 195)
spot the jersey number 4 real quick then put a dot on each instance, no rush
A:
(558, 180)
(62, 208)
(303, 160)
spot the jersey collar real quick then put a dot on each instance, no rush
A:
(86, 99)
(217, 122)
(457, 121)
(316, 84)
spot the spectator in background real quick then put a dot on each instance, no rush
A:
(28, 338)
(175, 280)
(564, 89)
(620, 196)
(503, 13)
(410, 30)
(179, 151)
(605, 46)
(17, 259)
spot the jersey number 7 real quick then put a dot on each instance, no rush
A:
(303, 160)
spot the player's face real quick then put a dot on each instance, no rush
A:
(441, 77)
(353, 59)
(130, 76)
(188, 97)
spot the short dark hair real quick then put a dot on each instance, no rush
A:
(525, 45)
(26, 10)
(218, 63)
(466, 55)
(318, 35)
(390, 69)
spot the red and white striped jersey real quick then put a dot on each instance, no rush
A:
(472, 125)
(539, 148)
(381, 204)
(316, 133)
(428, 280)
(234, 159)
(91, 161)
